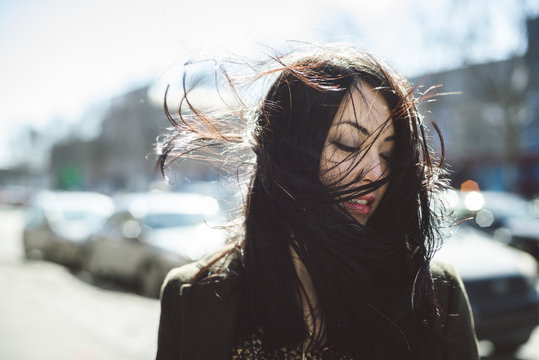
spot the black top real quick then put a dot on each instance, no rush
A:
(251, 348)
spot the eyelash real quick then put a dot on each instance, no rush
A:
(351, 149)
(346, 148)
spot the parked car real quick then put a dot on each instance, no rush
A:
(58, 224)
(15, 195)
(509, 217)
(501, 283)
(151, 233)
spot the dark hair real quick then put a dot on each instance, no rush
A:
(373, 287)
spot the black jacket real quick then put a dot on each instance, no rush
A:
(199, 321)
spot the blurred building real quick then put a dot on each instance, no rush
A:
(491, 126)
(122, 158)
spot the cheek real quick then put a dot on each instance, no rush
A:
(329, 166)
(335, 168)
(325, 165)
(327, 173)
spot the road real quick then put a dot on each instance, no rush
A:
(47, 312)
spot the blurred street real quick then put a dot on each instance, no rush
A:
(49, 313)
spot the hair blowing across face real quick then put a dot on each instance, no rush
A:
(374, 292)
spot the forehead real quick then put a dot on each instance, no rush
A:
(363, 106)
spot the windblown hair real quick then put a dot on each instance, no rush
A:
(374, 291)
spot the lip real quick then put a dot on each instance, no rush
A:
(361, 209)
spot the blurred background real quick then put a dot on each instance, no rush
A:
(89, 229)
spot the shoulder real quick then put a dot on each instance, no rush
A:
(455, 312)
(180, 276)
(443, 272)
(217, 265)
(449, 288)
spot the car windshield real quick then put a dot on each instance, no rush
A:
(89, 219)
(169, 220)
(85, 216)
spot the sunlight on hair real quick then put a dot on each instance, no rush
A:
(452, 198)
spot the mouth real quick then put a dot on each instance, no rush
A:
(361, 205)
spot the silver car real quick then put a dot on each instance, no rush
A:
(151, 233)
(507, 216)
(58, 223)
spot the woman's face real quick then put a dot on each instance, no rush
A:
(357, 148)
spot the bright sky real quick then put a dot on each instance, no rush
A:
(59, 56)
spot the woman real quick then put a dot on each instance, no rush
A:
(334, 257)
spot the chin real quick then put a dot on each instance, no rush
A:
(361, 219)
(363, 222)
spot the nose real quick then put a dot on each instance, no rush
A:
(375, 168)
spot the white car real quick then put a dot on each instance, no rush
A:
(501, 283)
(151, 233)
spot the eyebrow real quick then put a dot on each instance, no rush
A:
(363, 130)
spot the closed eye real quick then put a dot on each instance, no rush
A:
(344, 147)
